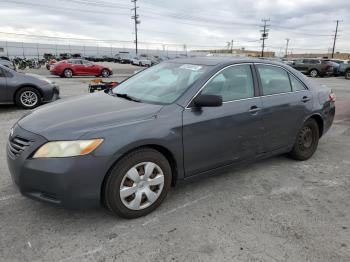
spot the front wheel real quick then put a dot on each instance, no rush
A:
(68, 73)
(138, 183)
(105, 73)
(306, 142)
(28, 98)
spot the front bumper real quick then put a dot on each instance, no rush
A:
(53, 96)
(73, 182)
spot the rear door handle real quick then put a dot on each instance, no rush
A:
(305, 99)
(254, 109)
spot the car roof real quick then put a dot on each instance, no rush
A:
(213, 61)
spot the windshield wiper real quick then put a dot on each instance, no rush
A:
(126, 96)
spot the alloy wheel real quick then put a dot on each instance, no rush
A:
(313, 73)
(29, 98)
(105, 73)
(68, 73)
(141, 186)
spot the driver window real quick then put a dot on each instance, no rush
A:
(233, 83)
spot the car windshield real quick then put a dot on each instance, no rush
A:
(161, 84)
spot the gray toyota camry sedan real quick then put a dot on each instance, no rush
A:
(175, 121)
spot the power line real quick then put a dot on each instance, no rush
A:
(264, 35)
(136, 21)
(335, 36)
(287, 39)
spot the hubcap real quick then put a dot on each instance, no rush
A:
(29, 98)
(306, 138)
(141, 185)
(313, 73)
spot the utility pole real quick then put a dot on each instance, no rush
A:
(287, 39)
(135, 18)
(264, 34)
(335, 36)
(231, 46)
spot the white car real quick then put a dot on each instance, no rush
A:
(141, 61)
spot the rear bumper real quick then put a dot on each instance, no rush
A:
(328, 116)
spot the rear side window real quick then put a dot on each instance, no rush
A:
(233, 83)
(296, 84)
(274, 80)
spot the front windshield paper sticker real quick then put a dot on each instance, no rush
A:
(191, 67)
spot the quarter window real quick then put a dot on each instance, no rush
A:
(233, 83)
(296, 84)
(274, 80)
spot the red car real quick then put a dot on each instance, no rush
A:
(79, 67)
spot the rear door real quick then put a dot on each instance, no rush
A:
(218, 136)
(286, 103)
(3, 86)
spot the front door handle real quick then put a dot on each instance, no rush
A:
(305, 99)
(254, 109)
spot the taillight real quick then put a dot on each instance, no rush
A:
(332, 97)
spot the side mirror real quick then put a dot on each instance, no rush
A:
(207, 101)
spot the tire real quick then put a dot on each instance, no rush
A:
(140, 64)
(306, 142)
(129, 206)
(314, 73)
(105, 73)
(28, 98)
(68, 73)
(347, 74)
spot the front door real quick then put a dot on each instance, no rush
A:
(218, 136)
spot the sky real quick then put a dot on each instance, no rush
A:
(198, 24)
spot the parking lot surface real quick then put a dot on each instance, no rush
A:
(274, 210)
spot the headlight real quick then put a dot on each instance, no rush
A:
(67, 148)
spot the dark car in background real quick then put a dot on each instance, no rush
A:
(25, 90)
(345, 69)
(175, 121)
(123, 58)
(335, 65)
(79, 67)
(313, 67)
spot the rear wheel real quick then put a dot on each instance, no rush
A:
(28, 98)
(307, 141)
(314, 73)
(138, 183)
(105, 73)
(347, 74)
(68, 73)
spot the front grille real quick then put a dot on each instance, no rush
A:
(17, 145)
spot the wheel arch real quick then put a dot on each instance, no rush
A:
(160, 148)
(318, 71)
(24, 86)
(69, 69)
(319, 121)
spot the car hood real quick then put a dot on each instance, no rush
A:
(72, 118)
